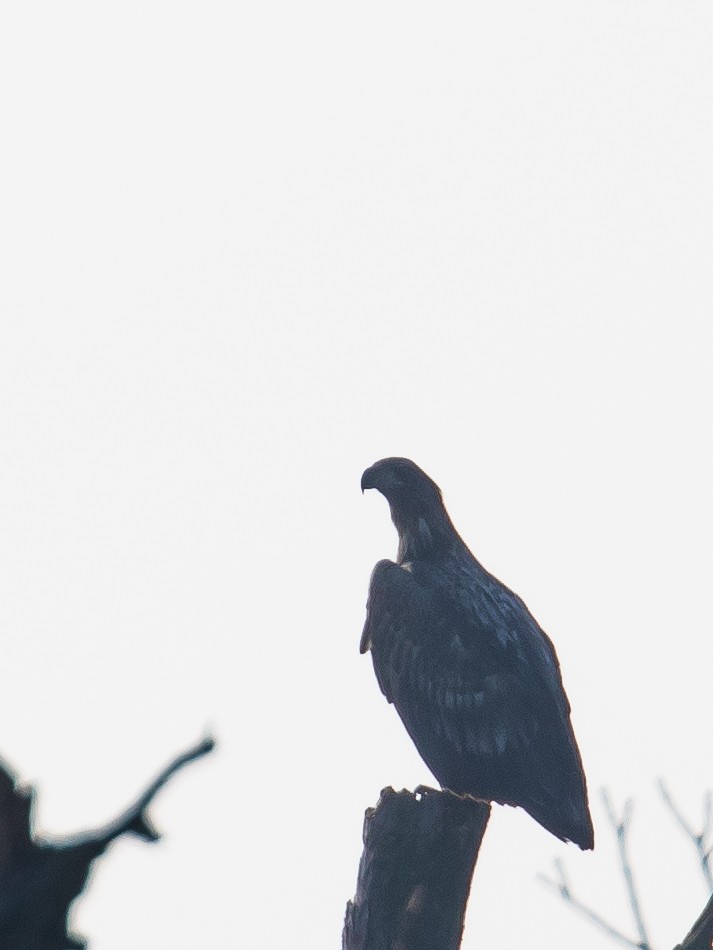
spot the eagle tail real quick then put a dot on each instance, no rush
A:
(566, 820)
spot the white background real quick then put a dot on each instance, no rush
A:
(247, 250)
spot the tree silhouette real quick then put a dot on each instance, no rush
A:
(39, 880)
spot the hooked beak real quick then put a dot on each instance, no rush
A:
(369, 479)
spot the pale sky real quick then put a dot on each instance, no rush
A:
(249, 249)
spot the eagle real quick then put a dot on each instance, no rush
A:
(474, 678)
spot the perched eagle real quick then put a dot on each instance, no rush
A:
(471, 674)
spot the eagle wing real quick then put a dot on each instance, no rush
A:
(477, 685)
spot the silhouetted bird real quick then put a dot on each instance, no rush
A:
(471, 674)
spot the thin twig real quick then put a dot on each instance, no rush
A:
(565, 892)
(621, 827)
(701, 840)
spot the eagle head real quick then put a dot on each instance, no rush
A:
(416, 505)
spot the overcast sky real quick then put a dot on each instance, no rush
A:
(247, 250)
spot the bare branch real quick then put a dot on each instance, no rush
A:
(565, 891)
(621, 827)
(700, 936)
(700, 840)
(135, 818)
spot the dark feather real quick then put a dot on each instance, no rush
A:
(473, 677)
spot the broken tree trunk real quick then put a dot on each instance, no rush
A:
(419, 855)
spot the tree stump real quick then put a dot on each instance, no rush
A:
(420, 850)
